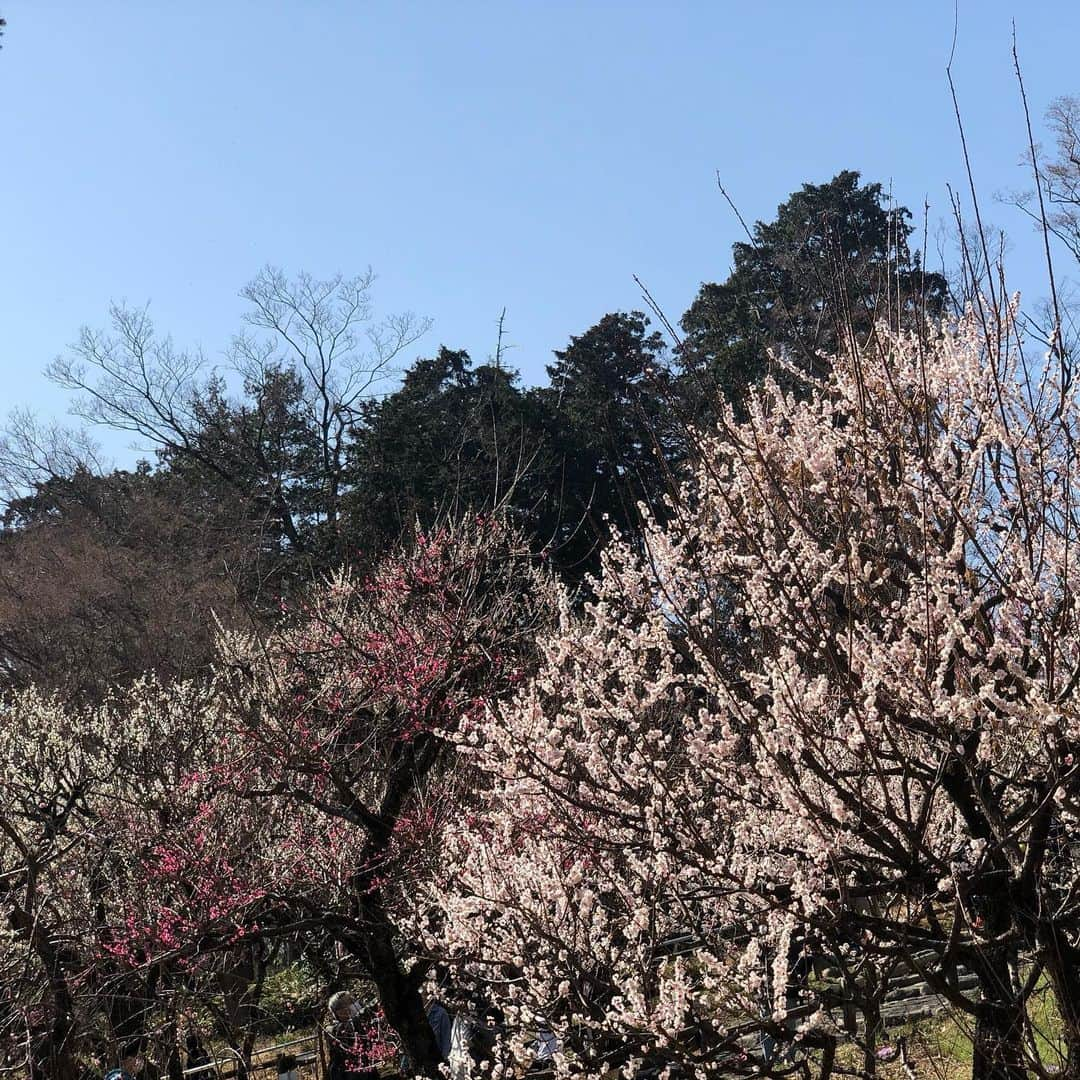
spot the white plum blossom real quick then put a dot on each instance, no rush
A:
(825, 713)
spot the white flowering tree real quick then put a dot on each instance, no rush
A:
(828, 720)
(81, 793)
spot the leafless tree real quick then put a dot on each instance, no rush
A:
(321, 334)
(33, 452)
(1061, 176)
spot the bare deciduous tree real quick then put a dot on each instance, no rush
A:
(320, 334)
(33, 452)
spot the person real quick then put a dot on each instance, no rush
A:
(442, 1027)
(486, 1038)
(131, 1063)
(199, 1063)
(286, 1067)
(459, 1056)
(344, 1039)
(546, 1046)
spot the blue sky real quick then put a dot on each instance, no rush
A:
(532, 155)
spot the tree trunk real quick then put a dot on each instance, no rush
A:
(998, 1050)
(399, 995)
(1062, 961)
(828, 1060)
(52, 1052)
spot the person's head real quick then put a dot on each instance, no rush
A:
(193, 1042)
(341, 1005)
(131, 1058)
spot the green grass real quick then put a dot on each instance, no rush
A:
(941, 1047)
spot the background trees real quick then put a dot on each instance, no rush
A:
(104, 578)
(1061, 176)
(1055, 207)
(606, 411)
(453, 437)
(836, 258)
(313, 355)
(322, 470)
(565, 460)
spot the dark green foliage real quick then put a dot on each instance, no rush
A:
(608, 418)
(562, 461)
(452, 438)
(261, 453)
(835, 259)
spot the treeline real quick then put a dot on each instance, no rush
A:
(314, 456)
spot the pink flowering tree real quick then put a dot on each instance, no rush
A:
(321, 807)
(829, 717)
(156, 849)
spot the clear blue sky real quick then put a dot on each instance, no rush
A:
(532, 155)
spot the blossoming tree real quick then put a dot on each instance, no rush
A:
(333, 776)
(828, 718)
(153, 850)
(80, 789)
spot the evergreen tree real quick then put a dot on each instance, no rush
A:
(261, 453)
(609, 426)
(451, 439)
(835, 259)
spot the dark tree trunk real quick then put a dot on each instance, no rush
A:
(1063, 970)
(998, 1050)
(399, 994)
(828, 1060)
(52, 1052)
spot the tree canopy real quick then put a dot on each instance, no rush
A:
(836, 258)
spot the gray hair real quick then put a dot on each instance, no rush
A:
(341, 1000)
